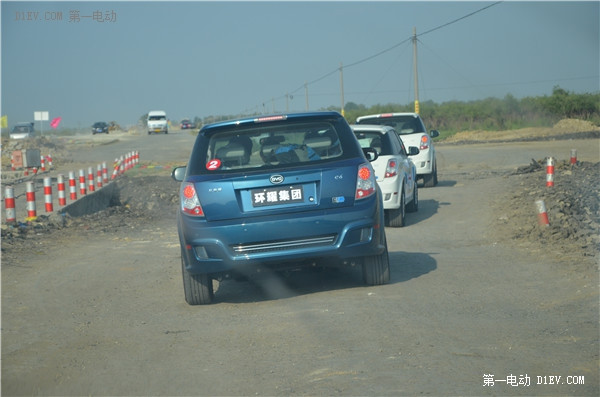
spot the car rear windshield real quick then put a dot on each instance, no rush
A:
(402, 124)
(157, 118)
(270, 146)
(375, 140)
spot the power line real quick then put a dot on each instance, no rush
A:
(391, 48)
(459, 19)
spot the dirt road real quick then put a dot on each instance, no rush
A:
(98, 309)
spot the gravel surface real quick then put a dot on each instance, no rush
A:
(475, 283)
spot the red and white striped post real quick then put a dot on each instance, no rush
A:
(60, 183)
(91, 183)
(115, 169)
(48, 194)
(549, 172)
(573, 159)
(82, 189)
(43, 163)
(72, 186)
(104, 173)
(542, 213)
(49, 158)
(30, 194)
(121, 166)
(9, 204)
(99, 176)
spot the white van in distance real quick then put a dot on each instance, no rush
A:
(157, 122)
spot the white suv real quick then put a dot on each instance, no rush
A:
(412, 131)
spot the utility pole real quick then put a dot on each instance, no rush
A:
(414, 40)
(306, 94)
(342, 86)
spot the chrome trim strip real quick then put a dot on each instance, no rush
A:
(281, 245)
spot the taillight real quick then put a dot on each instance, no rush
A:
(365, 183)
(189, 200)
(391, 169)
(424, 142)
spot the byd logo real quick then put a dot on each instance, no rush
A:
(276, 179)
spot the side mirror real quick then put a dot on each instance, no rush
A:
(179, 173)
(413, 150)
(434, 133)
(371, 154)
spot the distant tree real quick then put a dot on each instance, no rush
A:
(143, 120)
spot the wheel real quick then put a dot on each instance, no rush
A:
(414, 204)
(430, 180)
(396, 216)
(376, 268)
(198, 288)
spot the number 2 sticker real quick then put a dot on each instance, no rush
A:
(213, 165)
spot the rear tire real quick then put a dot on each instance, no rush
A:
(376, 268)
(414, 204)
(430, 180)
(198, 288)
(396, 216)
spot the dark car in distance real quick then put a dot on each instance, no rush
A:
(186, 124)
(278, 192)
(100, 128)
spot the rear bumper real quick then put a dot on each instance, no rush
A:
(391, 196)
(223, 247)
(424, 162)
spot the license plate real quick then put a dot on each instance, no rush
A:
(277, 196)
(157, 130)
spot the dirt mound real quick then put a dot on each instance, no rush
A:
(140, 201)
(48, 146)
(573, 207)
(564, 129)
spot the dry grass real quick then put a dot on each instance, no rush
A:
(563, 127)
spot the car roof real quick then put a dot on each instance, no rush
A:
(384, 115)
(372, 127)
(270, 118)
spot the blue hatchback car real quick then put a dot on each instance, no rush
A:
(278, 192)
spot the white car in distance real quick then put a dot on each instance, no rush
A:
(395, 172)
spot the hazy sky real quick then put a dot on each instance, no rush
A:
(104, 61)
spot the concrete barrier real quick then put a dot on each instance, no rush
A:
(99, 200)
